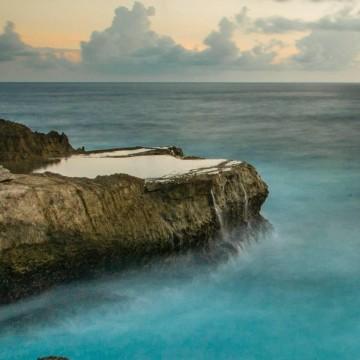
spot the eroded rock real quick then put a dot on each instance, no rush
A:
(55, 228)
(21, 148)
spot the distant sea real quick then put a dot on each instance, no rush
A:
(294, 295)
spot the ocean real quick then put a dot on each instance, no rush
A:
(294, 294)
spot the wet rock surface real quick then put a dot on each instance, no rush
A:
(55, 229)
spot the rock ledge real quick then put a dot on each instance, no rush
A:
(55, 228)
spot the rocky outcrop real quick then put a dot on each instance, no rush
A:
(20, 147)
(5, 175)
(55, 229)
(170, 150)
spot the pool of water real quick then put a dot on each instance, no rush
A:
(144, 167)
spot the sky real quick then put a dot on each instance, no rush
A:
(180, 40)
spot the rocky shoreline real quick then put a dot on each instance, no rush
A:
(55, 228)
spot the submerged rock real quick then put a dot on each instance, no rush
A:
(56, 228)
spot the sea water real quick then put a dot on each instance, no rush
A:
(292, 295)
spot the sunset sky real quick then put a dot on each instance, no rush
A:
(172, 40)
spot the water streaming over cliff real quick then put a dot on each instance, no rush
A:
(295, 295)
(219, 214)
(246, 203)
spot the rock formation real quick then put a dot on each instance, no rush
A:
(21, 148)
(55, 229)
(5, 175)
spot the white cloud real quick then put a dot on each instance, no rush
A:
(220, 43)
(130, 44)
(130, 32)
(328, 50)
(130, 48)
(329, 43)
(13, 49)
(11, 45)
(344, 20)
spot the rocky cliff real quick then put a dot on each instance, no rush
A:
(20, 147)
(55, 228)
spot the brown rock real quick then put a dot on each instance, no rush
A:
(5, 175)
(21, 146)
(55, 229)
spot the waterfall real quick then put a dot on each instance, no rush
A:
(218, 213)
(246, 202)
(226, 245)
(229, 243)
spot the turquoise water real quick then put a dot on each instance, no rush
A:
(292, 295)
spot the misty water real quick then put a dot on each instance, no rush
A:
(294, 294)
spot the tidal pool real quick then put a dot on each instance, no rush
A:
(145, 166)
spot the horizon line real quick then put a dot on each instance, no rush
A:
(179, 82)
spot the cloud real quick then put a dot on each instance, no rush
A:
(129, 44)
(220, 43)
(278, 25)
(130, 32)
(328, 50)
(13, 49)
(11, 45)
(130, 48)
(344, 20)
(331, 42)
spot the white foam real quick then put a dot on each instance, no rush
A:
(233, 163)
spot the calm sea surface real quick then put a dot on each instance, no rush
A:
(294, 295)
